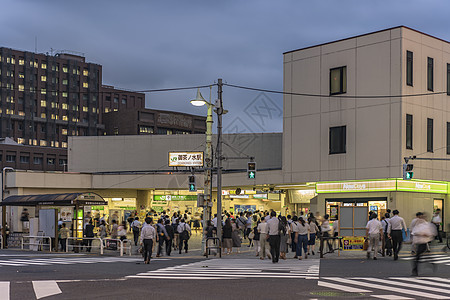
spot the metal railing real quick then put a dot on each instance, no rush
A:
(79, 243)
(330, 241)
(39, 242)
(1, 241)
(213, 243)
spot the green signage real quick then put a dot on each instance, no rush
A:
(175, 197)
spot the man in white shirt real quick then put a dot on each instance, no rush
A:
(214, 221)
(136, 227)
(184, 230)
(373, 232)
(274, 236)
(262, 229)
(436, 220)
(148, 235)
(396, 224)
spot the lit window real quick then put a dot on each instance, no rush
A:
(56, 144)
(64, 145)
(21, 113)
(43, 143)
(64, 94)
(74, 72)
(115, 109)
(51, 161)
(74, 119)
(78, 71)
(55, 105)
(35, 64)
(52, 116)
(107, 109)
(64, 106)
(44, 65)
(21, 75)
(94, 110)
(9, 111)
(85, 72)
(64, 118)
(65, 69)
(85, 85)
(85, 108)
(43, 78)
(44, 91)
(43, 116)
(64, 131)
(21, 61)
(20, 140)
(13, 61)
(65, 81)
(8, 60)
(21, 87)
(10, 99)
(145, 129)
(43, 103)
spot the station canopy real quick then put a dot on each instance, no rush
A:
(70, 199)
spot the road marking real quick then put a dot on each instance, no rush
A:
(360, 281)
(236, 269)
(45, 288)
(68, 261)
(4, 290)
(409, 285)
(341, 287)
(422, 280)
(392, 297)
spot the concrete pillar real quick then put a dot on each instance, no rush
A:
(143, 201)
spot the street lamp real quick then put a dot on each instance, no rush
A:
(200, 101)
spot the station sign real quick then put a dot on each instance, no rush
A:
(185, 159)
(174, 197)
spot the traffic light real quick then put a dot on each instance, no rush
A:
(192, 187)
(251, 170)
(407, 171)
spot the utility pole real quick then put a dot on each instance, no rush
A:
(219, 107)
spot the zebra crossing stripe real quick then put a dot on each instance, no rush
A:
(65, 261)
(4, 290)
(359, 282)
(392, 297)
(437, 256)
(409, 285)
(341, 287)
(422, 280)
(45, 288)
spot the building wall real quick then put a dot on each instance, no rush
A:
(373, 125)
(150, 152)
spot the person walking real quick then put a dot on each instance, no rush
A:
(387, 242)
(396, 224)
(274, 236)
(256, 238)
(184, 231)
(114, 229)
(436, 220)
(423, 233)
(64, 233)
(284, 236)
(313, 229)
(103, 229)
(176, 243)
(171, 235)
(89, 234)
(136, 228)
(236, 236)
(148, 236)
(294, 231)
(325, 231)
(373, 233)
(227, 237)
(122, 231)
(302, 237)
(162, 236)
(263, 235)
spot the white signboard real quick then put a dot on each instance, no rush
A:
(185, 159)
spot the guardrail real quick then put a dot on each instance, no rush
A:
(1, 241)
(213, 243)
(39, 243)
(332, 238)
(79, 243)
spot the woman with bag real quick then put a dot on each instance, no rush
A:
(284, 236)
(227, 233)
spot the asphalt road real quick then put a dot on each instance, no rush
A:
(27, 275)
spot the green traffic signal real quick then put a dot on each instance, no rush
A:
(409, 175)
(192, 187)
(251, 175)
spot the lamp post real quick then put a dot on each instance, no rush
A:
(200, 101)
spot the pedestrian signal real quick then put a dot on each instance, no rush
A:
(192, 187)
(251, 170)
(407, 171)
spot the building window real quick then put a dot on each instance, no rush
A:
(11, 158)
(24, 159)
(124, 101)
(116, 100)
(65, 69)
(116, 131)
(338, 81)
(37, 160)
(64, 131)
(63, 162)
(409, 68)
(85, 109)
(448, 79)
(409, 131)
(338, 139)
(448, 138)
(65, 82)
(85, 85)
(429, 135)
(145, 129)
(44, 65)
(50, 161)
(43, 143)
(43, 103)
(85, 72)
(430, 74)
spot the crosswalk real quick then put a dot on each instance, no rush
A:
(432, 258)
(42, 289)
(236, 269)
(24, 262)
(392, 287)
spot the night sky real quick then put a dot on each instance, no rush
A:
(166, 44)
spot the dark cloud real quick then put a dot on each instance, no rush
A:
(160, 44)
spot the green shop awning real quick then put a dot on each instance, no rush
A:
(81, 199)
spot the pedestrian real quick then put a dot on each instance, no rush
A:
(176, 244)
(256, 238)
(284, 237)
(162, 236)
(436, 220)
(103, 229)
(184, 231)
(89, 234)
(387, 242)
(294, 232)
(171, 236)
(263, 235)
(122, 231)
(64, 233)
(248, 228)
(423, 233)
(240, 223)
(313, 229)
(148, 236)
(114, 229)
(396, 224)
(6, 234)
(136, 228)
(302, 237)
(325, 232)
(274, 236)
(373, 233)
(236, 236)
(414, 222)
(227, 237)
